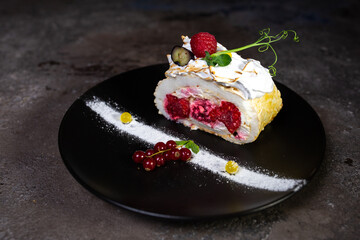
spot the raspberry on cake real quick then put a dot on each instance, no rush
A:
(234, 101)
(203, 42)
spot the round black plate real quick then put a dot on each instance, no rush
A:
(99, 157)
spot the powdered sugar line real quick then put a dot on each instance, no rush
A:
(204, 158)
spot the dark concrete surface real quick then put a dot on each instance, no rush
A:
(53, 51)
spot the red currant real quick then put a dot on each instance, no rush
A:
(185, 154)
(174, 154)
(167, 155)
(160, 160)
(160, 146)
(160, 154)
(149, 152)
(149, 164)
(138, 156)
(170, 144)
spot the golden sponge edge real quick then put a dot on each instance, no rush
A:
(267, 107)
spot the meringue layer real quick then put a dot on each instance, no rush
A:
(244, 77)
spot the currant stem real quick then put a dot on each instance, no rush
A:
(162, 151)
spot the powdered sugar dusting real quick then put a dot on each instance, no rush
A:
(204, 158)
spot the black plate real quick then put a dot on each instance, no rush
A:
(292, 146)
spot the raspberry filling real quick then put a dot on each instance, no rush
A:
(228, 114)
(177, 108)
(200, 109)
(204, 111)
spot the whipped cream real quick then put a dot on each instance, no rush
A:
(245, 77)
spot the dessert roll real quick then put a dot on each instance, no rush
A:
(234, 102)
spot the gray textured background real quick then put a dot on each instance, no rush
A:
(53, 51)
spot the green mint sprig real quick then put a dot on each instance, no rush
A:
(189, 144)
(222, 59)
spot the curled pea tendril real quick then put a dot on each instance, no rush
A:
(272, 70)
(263, 44)
(271, 39)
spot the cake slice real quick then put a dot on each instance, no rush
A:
(234, 102)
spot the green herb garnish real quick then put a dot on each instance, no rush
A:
(264, 43)
(189, 144)
(221, 60)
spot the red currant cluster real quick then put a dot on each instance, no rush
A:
(161, 153)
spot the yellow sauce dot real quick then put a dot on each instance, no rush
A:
(228, 54)
(125, 117)
(231, 167)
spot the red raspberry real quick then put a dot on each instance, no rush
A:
(228, 114)
(177, 108)
(201, 42)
